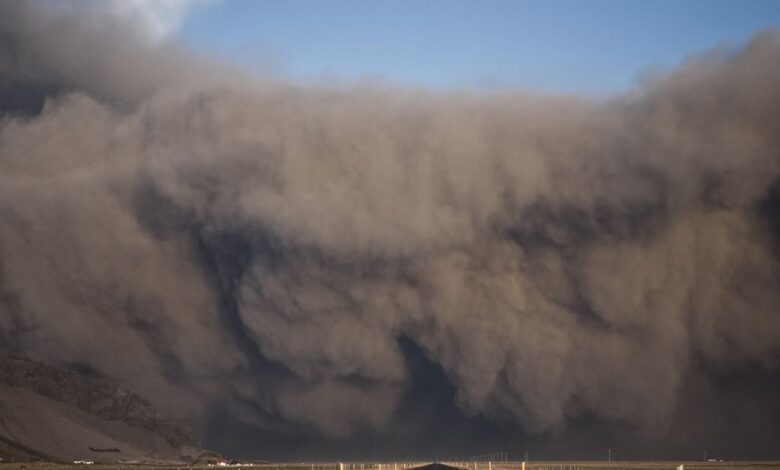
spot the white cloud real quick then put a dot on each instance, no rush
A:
(155, 19)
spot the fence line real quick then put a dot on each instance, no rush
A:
(337, 466)
(476, 464)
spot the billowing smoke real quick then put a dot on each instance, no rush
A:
(210, 239)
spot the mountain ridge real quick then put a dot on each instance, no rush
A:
(54, 413)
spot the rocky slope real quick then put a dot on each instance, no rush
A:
(59, 414)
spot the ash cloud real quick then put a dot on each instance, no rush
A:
(217, 242)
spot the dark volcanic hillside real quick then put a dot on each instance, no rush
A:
(57, 413)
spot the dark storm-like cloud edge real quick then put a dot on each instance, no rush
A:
(209, 238)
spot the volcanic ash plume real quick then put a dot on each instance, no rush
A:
(204, 237)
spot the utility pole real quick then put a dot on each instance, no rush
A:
(609, 454)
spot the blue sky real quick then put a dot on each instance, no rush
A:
(563, 46)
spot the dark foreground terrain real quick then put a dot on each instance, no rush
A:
(588, 465)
